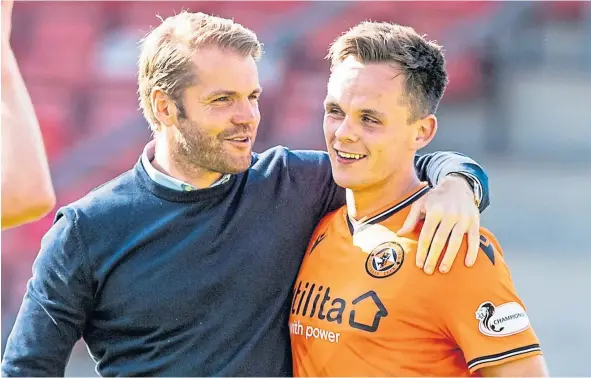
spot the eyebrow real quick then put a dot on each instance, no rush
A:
(373, 113)
(225, 92)
(331, 104)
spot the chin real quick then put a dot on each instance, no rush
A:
(238, 164)
(347, 181)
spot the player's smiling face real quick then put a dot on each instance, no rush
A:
(365, 124)
(222, 112)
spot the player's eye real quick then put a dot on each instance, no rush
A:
(370, 120)
(254, 96)
(222, 99)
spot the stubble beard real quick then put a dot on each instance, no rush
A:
(195, 152)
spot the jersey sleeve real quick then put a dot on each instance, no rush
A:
(482, 313)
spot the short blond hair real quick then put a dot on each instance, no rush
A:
(421, 62)
(166, 52)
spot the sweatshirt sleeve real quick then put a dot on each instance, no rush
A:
(55, 307)
(434, 166)
(314, 168)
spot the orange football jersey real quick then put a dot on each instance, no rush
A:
(361, 307)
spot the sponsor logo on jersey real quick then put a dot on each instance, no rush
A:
(313, 300)
(385, 260)
(503, 320)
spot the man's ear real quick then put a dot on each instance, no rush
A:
(164, 108)
(426, 130)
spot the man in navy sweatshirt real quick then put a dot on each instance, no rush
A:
(183, 266)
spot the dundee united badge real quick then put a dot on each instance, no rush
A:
(385, 260)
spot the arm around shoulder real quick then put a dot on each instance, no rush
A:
(313, 172)
(435, 166)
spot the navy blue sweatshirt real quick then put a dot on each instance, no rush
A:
(161, 282)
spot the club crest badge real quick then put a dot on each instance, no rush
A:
(385, 260)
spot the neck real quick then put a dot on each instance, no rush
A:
(365, 202)
(165, 162)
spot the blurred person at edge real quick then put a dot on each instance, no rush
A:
(184, 265)
(27, 190)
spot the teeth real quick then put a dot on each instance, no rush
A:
(349, 156)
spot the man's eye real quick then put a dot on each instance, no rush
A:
(222, 99)
(334, 111)
(254, 97)
(369, 120)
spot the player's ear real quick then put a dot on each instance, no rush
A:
(426, 128)
(164, 107)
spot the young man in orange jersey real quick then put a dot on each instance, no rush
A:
(360, 307)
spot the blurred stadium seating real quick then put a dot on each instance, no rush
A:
(78, 59)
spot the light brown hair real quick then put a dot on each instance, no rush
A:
(166, 52)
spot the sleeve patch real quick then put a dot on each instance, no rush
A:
(503, 320)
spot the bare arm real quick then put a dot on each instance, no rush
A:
(534, 366)
(27, 190)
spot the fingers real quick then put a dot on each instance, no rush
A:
(473, 243)
(443, 232)
(453, 245)
(414, 216)
(432, 220)
(449, 213)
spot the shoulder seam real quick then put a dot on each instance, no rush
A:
(110, 181)
(83, 246)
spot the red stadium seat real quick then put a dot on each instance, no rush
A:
(52, 106)
(432, 18)
(112, 105)
(61, 50)
(564, 10)
(141, 16)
